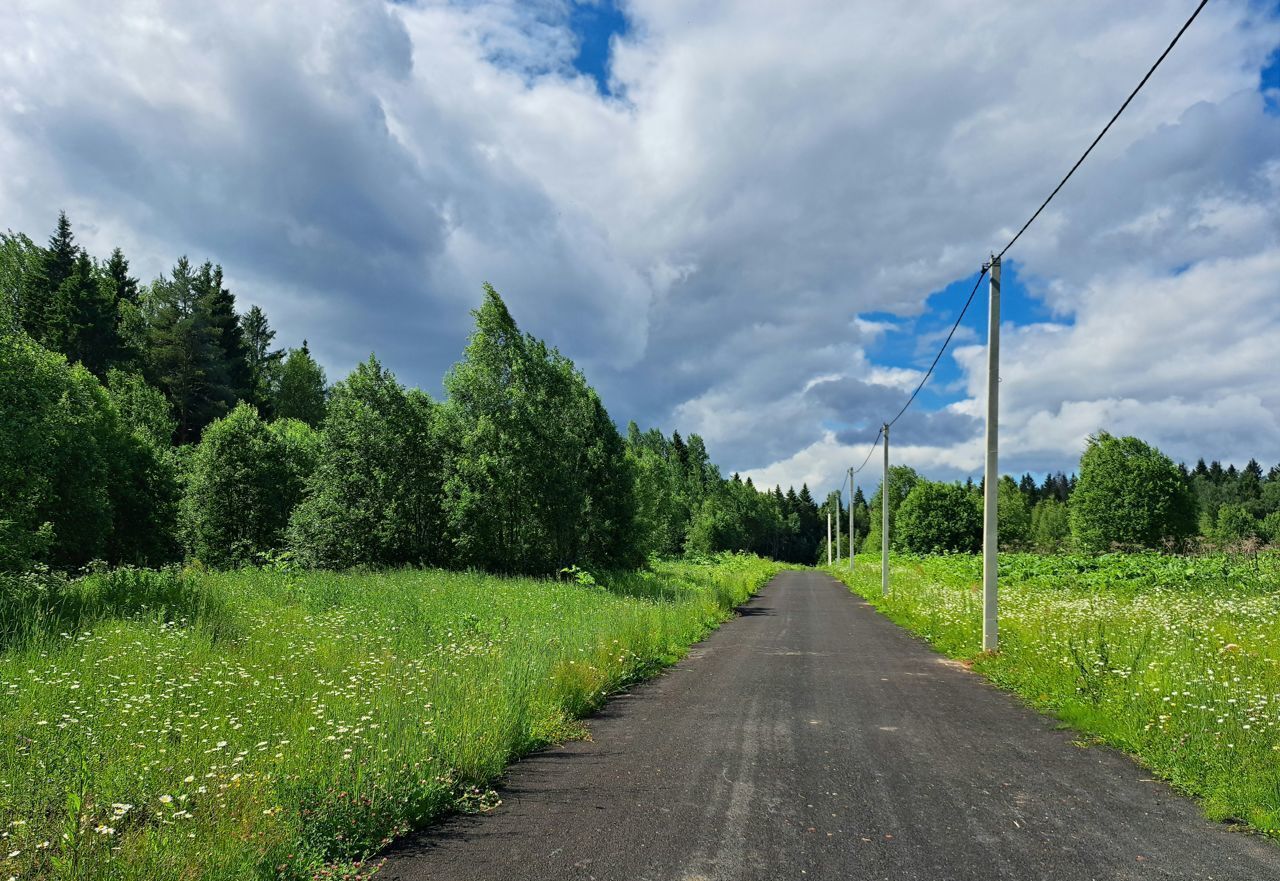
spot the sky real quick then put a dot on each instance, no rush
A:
(751, 220)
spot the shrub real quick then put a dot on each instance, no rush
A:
(245, 479)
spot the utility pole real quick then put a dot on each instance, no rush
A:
(991, 484)
(852, 520)
(837, 526)
(884, 518)
(828, 531)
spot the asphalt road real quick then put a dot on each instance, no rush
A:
(811, 738)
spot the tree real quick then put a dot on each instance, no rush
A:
(242, 488)
(76, 483)
(301, 392)
(1013, 515)
(525, 436)
(220, 303)
(81, 318)
(263, 361)
(1050, 525)
(184, 351)
(20, 263)
(1129, 494)
(373, 498)
(1235, 524)
(939, 518)
(121, 289)
(902, 479)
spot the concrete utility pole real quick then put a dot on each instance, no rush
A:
(991, 485)
(837, 526)
(852, 519)
(828, 532)
(884, 518)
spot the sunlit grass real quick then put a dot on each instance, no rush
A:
(262, 723)
(1176, 660)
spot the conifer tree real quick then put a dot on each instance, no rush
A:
(220, 303)
(263, 361)
(184, 353)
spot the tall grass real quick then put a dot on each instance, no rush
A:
(274, 724)
(1173, 659)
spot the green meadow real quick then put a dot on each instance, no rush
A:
(271, 723)
(1175, 660)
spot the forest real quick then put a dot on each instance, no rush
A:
(158, 422)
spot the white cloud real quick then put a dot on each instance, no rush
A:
(703, 245)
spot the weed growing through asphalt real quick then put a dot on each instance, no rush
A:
(1173, 659)
(269, 723)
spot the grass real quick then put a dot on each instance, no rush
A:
(1175, 660)
(261, 723)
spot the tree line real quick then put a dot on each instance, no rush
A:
(144, 424)
(1129, 495)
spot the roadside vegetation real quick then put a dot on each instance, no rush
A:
(1174, 659)
(189, 724)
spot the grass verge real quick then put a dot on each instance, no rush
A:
(280, 724)
(1175, 660)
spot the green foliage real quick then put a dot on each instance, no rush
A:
(1013, 515)
(184, 351)
(1129, 494)
(245, 479)
(263, 363)
(76, 484)
(301, 390)
(226, 725)
(1234, 524)
(901, 481)
(536, 475)
(20, 260)
(939, 518)
(374, 496)
(142, 407)
(1050, 525)
(1269, 528)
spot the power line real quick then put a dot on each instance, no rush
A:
(938, 357)
(1106, 127)
(874, 443)
(1032, 219)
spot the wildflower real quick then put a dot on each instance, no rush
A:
(166, 799)
(103, 829)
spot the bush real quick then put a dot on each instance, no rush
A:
(939, 517)
(1235, 524)
(246, 477)
(1129, 494)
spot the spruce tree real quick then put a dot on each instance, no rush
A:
(123, 292)
(220, 303)
(264, 361)
(185, 356)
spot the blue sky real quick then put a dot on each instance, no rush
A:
(710, 248)
(595, 24)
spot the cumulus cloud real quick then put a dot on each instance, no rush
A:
(705, 238)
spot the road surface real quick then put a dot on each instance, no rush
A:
(812, 739)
